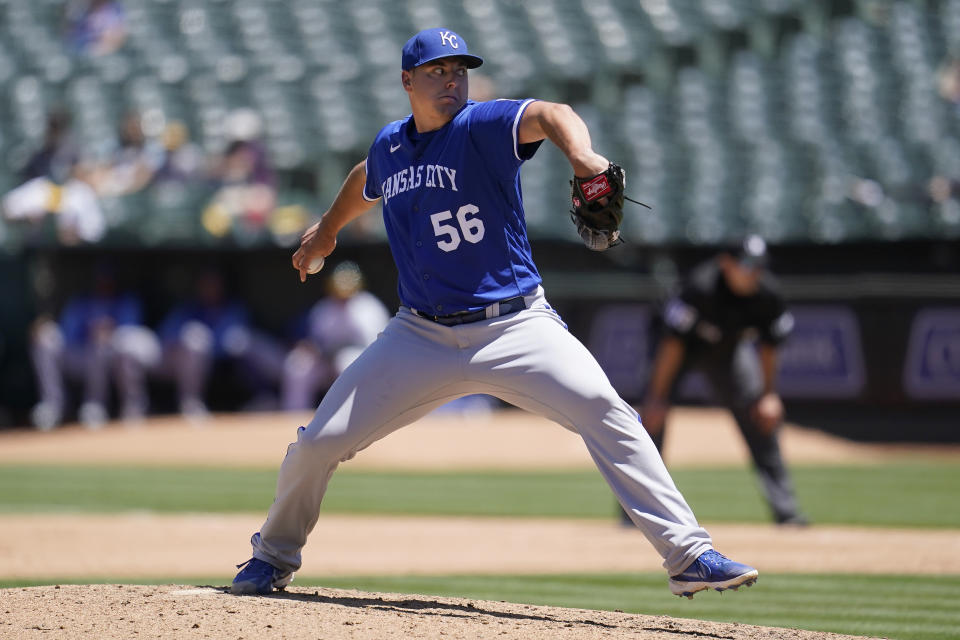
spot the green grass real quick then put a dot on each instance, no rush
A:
(898, 495)
(921, 608)
(904, 608)
(908, 495)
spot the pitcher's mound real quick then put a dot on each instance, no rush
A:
(115, 612)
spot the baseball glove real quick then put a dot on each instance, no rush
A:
(598, 208)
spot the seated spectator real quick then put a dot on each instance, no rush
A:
(95, 27)
(56, 182)
(99, 336)
(244, 179)
(183, 160)
(948, 81)
(338, 328)
(211, 328)
(133, 164)
(943, 188)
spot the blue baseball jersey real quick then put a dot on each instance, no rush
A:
(453, 208)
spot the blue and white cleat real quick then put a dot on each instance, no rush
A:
(257, 577)
(712, 570)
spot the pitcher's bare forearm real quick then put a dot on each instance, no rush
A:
(320, 239)
(560, 124)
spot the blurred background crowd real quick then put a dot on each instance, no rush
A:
(101, 348)
(172, 151)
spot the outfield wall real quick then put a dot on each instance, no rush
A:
(875, 355)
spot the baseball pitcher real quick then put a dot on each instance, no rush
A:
(473, 315)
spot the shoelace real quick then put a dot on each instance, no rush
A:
(714, 559)
(243, 564)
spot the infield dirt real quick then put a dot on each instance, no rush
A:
(113, 612)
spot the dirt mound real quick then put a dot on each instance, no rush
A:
(110, 612)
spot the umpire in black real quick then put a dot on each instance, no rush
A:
(724, 307)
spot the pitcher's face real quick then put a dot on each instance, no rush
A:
(437, 90)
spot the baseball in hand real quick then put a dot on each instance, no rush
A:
(315, 265)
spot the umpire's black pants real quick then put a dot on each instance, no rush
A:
(737, 380)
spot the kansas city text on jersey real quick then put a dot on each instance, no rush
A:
(434, 176)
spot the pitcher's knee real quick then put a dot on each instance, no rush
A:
(600, 410)
(327, 444)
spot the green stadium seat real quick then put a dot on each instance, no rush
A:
(949, 21)
(727, 14)
(166, 214)
(945, 156)
(729, 115)
(653, 164)
(624, 35)
(946, 219)
(677, 22)
(752, 98)
(834, 223)
(776, 7)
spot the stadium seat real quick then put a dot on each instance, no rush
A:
(624, 35)
(729, 115)
(946, 219)
(949, 21)
(676, 22)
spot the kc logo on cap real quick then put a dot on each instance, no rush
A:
(433, 44)
(449, 38)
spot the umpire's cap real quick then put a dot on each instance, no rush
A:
(433, 44)
(752, 252)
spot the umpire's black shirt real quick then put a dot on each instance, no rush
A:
(709, 317)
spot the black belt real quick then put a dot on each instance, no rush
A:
(502, 308)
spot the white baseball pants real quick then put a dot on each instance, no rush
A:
(528, 359)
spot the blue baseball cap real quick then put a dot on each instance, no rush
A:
(433, 44)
